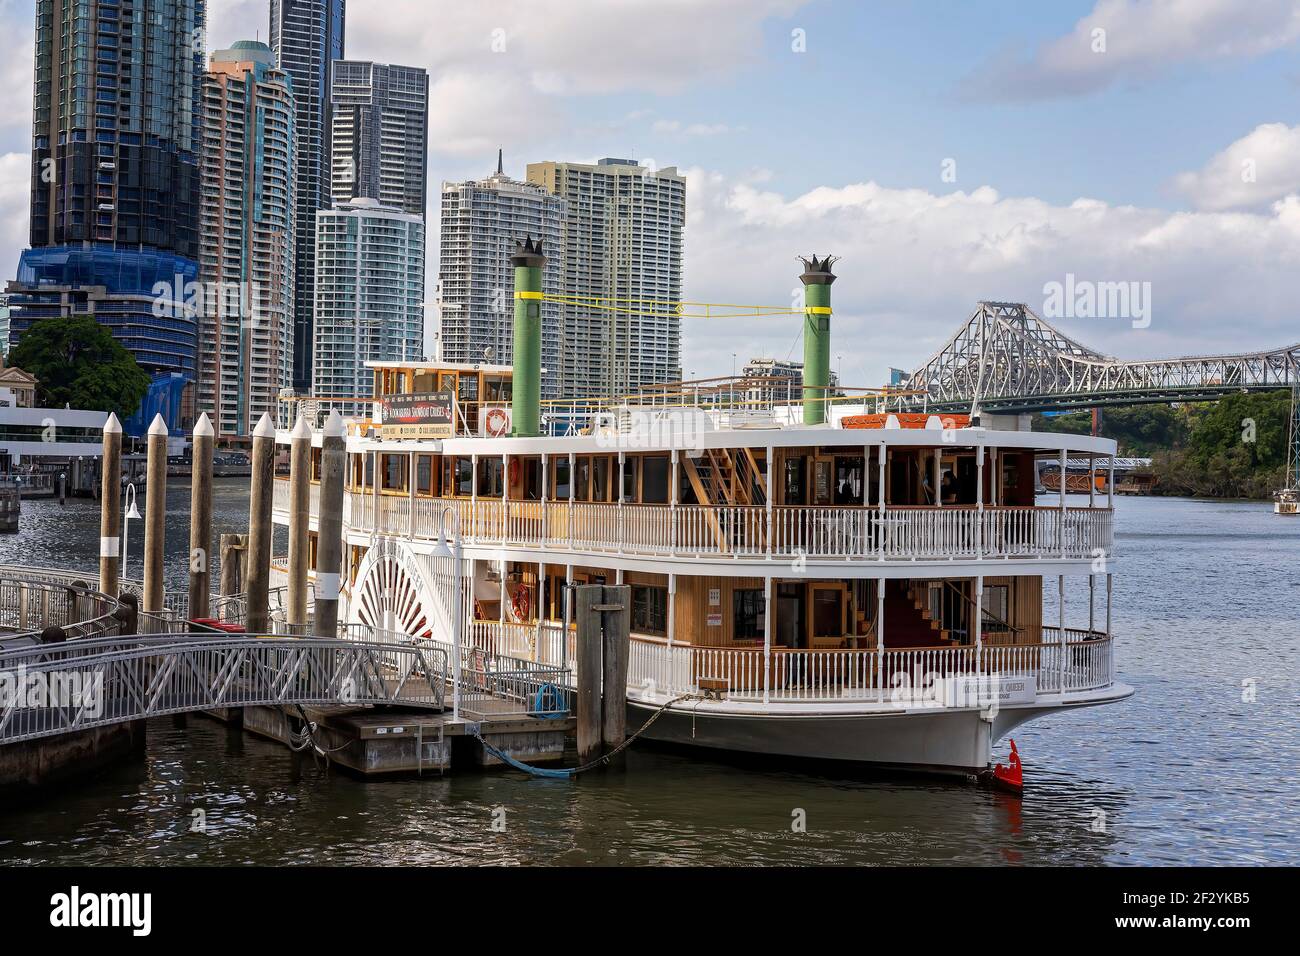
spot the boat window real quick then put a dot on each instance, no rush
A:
(649, 609)
(491, 471)
(582, 478)
(749, 613)
(630, 466)
(393, 469)
(561, 479)
(532, 479)
(600, 478)
(848, 480)
(828, 612)
(424, 474)
(796, 491)
(654, 479)
(996, 603)
(368, 471)
(464, 477)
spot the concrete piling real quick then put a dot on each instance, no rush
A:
(258, 583)
(110, 500)
(201, 518)
(155, 516)
(329, 539)
(299, 512)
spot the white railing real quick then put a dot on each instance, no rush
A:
(659, 671)
(889, 534)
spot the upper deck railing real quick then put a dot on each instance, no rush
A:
(741, 532)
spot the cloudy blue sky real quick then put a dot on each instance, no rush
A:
(1167, 152)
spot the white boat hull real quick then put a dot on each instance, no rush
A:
(941, 740)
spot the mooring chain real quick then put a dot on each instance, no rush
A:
(573, 771)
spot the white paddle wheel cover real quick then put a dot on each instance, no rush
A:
(392, 592)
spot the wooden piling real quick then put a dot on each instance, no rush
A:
(329, 538)
(232, 564)
(110, 500)
(258, 583)
(299, 512)
(615, 612)
(201, 518)
(155, 516)
(590, 666)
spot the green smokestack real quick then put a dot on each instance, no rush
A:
(817, 278)
(526, 391)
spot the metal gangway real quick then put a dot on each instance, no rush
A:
(48, 689)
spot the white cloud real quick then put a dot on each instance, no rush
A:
(506, 72)
(677, 128)
(15, 203)
(916, 263)
(1253, 172)
(1131, 39)
(16, 71)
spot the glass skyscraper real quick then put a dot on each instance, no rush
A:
(115, 177)
(247, 245)
(482, 222)
(623, 233)
(307, 36)
(379, 133)
(369, 298)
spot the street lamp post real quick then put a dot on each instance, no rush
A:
(130, 512)
(453, 551)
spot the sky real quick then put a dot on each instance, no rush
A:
(947, 152)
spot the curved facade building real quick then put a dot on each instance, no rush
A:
(247, 247)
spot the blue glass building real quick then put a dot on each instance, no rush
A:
(115, 177)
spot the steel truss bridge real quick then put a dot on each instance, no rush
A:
(1007, 359)
(52, 689)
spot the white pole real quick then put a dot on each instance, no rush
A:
(880, 511)
(767, 636)
(979, 621)
(979, 501)
(1060, 602)
(1108, 581)
(1060, 530)
(767, 489)
(880, 637)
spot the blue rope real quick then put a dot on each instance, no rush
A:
(519, 765)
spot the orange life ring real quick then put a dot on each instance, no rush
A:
(514, 471)
(520, 603)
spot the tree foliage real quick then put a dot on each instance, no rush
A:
(78, 363)
(1232, 448)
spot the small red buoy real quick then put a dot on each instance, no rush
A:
(1010, 778)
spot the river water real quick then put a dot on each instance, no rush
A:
(1206, 612)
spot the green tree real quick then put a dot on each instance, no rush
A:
(77, 362)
